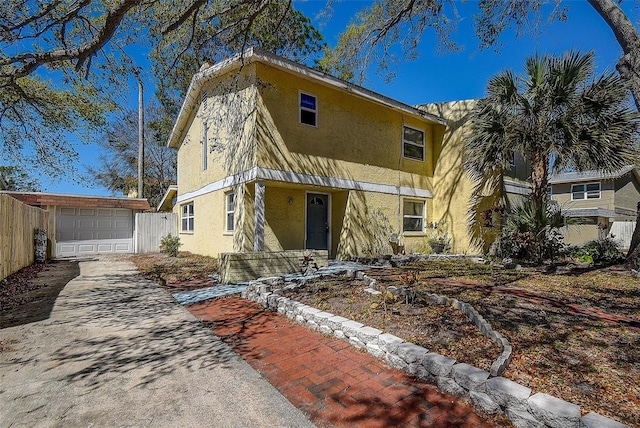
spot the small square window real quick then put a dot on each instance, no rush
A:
(413, 143)
(187, 217)
(308, 109)
(230, 208)
(413, 216)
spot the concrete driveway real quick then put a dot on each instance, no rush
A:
(117, 350)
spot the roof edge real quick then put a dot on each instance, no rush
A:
(255, 54)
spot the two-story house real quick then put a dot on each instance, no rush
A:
(599, 203)
(273, 156)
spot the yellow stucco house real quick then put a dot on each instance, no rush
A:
(599, 203)
(273, 156)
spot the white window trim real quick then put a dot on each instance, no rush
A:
(188, 216)
(229, 230)
(423, 217)
(424, 144)
(205, 146)
(300, 108)
(585, 193)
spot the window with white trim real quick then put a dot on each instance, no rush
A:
(412, 143)
(205, 147)
(581, 192)
(413, 215)
(308, 109)
(187, 217)
(230, 208)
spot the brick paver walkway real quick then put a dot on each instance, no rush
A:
(336, 385)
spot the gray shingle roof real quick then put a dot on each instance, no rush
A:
(574, 177)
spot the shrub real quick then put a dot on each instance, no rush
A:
(170, 244)
(601, 252)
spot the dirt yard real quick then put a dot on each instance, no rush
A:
(575, 336)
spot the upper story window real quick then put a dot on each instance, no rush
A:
(580, 192)
(308, 109)
(413, 143)
(413, 215)
(205, 146)
(230, 208)
(187, 217)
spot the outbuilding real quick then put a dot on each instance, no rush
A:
(86, 225)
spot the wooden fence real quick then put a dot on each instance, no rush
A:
(17, 225)
(151, 228)
(622, 231)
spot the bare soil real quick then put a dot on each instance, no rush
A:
(576, 337)
(28, 295)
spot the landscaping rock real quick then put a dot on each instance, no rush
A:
(437, 364)
(448, 385)
(522, 419)
(418, 371)
(354, 341)
(389, 342)
(484, 402)
(350, 328)
(336, 321)
(339, 334)
(508, 393)
(368, 334)
(375, 351)
(324, 329)
(596, 420)
(396, 362)
(470, 377)
(322, 317)
(411, 353)
(553, 411)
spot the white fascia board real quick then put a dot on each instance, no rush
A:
(258, 173)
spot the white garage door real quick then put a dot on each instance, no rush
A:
(93, 231)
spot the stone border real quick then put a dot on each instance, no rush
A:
(492, 395)
(500, 364)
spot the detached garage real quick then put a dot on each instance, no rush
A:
(85, 225)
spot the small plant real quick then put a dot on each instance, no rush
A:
(440, 241)
(409, 278)
(170, 244)
(308, 264)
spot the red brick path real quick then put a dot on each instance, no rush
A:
(336, 385)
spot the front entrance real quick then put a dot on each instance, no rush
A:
(317, 222)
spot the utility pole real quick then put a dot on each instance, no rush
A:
(140, 134)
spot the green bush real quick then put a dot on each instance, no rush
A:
(601, 252)
(170, 244)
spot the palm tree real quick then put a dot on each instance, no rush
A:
(558, 116)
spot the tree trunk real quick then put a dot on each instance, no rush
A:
(627, 35)
(629, 68)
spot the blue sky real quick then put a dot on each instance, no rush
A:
(434, 76)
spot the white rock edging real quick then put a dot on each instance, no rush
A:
(487, 391)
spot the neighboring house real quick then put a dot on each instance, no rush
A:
(85, 225)
(273, 156)
(600, 204)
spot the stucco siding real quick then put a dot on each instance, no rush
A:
(208, 237)
(627, 193)
(562, 194)
(230, 119)
(355, 139)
